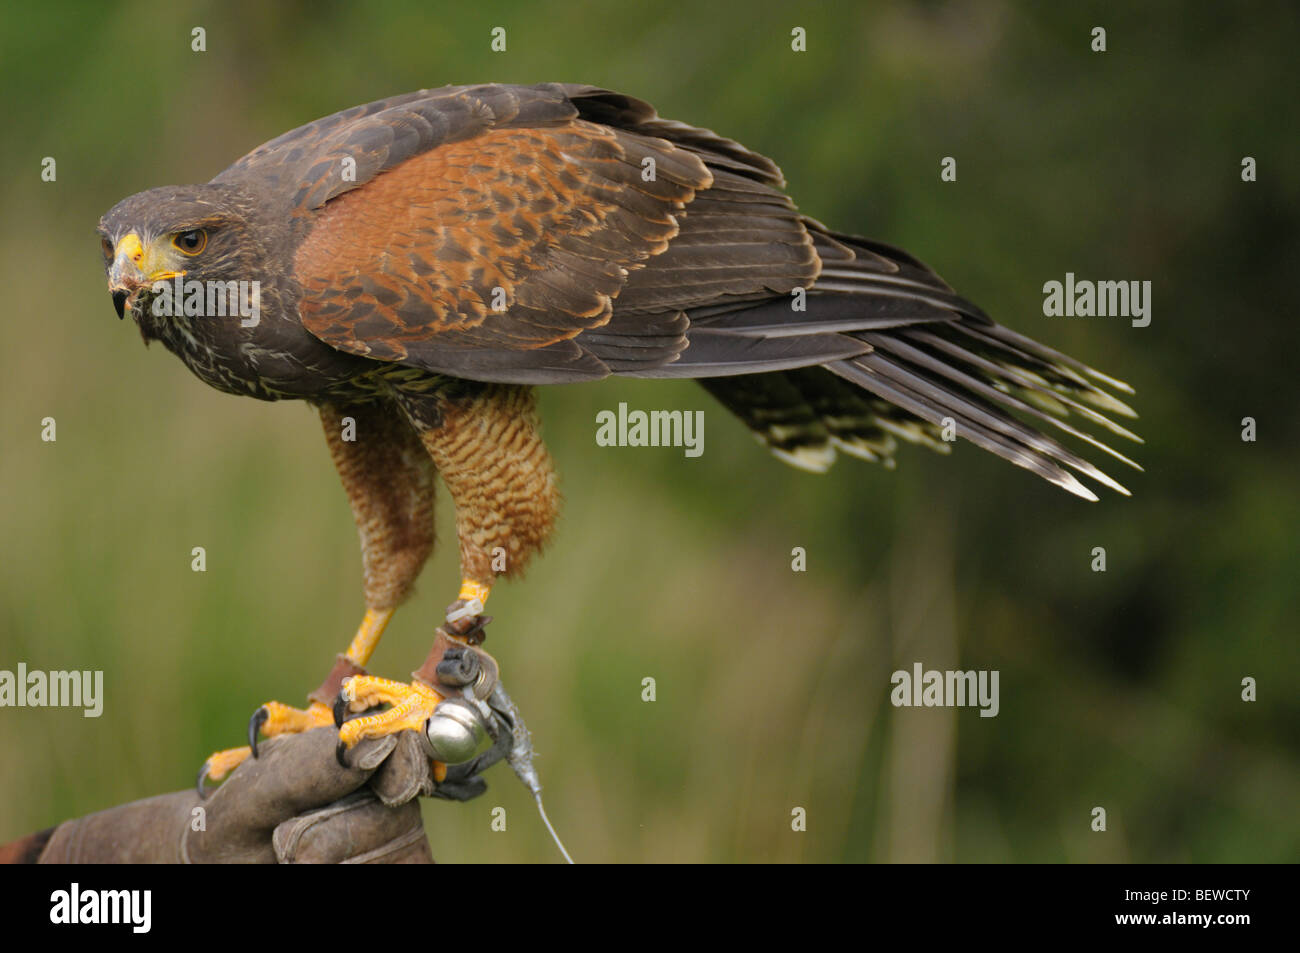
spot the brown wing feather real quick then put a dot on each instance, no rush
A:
(399, 261)
(546, 223)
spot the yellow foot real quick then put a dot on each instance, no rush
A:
(276, 719)
(410, 707)
(271, 719)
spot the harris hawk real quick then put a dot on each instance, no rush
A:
(422, 262)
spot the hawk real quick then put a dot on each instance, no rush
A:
(418, 265)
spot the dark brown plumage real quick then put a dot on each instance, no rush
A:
(425, 259)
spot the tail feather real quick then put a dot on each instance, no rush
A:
(779, 415)
(906, 351)
(1032, 389)
(930, 403)
(885, 350)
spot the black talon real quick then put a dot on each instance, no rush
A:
(339, 753)
(340, 710)
(203, 776)
(255, 725)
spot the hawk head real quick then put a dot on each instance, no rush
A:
(194, 232)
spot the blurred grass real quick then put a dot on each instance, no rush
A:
(1118, 689)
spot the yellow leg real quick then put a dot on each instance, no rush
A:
(469, 589)
(368, 633)
(468, 606)
(274, 718)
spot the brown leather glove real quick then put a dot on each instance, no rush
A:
(293, 804)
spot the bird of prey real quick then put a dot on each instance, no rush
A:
(421, 263)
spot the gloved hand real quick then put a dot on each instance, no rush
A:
(293, 804)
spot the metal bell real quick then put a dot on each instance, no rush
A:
(455, 731)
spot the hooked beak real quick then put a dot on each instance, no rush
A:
(132, 270)
(125, 276)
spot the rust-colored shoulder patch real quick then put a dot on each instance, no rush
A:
(513, 239)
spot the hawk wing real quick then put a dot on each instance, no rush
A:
(489, 233)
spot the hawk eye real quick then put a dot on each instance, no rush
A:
(191, 242)
(107, 247)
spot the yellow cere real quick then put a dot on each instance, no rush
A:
(131, 247)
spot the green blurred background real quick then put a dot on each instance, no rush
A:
(1118, 689)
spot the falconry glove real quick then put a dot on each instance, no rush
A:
(293, 804)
